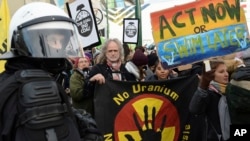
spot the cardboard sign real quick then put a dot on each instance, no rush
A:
(199, 30)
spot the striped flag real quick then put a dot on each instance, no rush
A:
(4, 26)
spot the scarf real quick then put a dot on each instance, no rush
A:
(115, 67)
(217, 87)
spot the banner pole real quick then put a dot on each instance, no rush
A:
(107, 15)
(138, 15)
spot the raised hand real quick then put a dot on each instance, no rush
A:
(206, 77)
(150, 134)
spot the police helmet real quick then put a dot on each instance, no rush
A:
(42, 30)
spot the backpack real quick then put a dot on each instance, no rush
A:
(38, 109)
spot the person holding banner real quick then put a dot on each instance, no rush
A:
(111, 64)
(206, 99)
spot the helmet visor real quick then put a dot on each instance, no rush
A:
(51, 40)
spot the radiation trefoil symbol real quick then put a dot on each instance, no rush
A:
(156, 120)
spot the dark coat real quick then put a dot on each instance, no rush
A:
(238, 95)
(107, 72)
(151, 77)
(205, 103)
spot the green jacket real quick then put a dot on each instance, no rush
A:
(77, 92)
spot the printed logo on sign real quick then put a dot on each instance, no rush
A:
(84, 21)
(131, 30)
(98, 15)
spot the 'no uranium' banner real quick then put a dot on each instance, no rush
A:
(147, 111)
(199, 30)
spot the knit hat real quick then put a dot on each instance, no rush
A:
(77, 61)
(89, 55)
(152, 58)
(139, 58)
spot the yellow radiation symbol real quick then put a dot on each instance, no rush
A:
(150, 125)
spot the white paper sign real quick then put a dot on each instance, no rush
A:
(130, 30)
(81, 12)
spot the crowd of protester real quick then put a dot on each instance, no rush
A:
(118, 61)
(227, 77)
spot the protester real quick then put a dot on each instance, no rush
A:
(205, 100)
(128, 53)
(78, 78)
(238, 91)
(138, 65)
(160, 73)
(152, 59)
(245, 56)
(232, 61)
(40, 35)
(142, 48)
(110, 63)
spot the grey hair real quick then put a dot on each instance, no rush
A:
(102, 56)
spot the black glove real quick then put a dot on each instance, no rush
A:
(87, 126)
